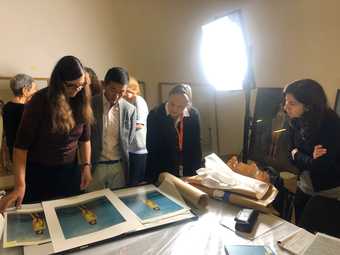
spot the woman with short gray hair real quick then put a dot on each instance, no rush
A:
(23, 87)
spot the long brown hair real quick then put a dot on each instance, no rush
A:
(67, 112)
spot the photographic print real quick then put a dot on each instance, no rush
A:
(25, 227)
(149, 204)
(86, 219)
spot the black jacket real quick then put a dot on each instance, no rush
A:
(162, 144)
(12, 114)
(325, 170)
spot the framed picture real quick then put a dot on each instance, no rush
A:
(337, 102)
(88, 218)
(41, 82)
(25, 226)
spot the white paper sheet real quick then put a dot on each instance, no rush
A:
(42, 249)
(296, 242)
(72, 225)
(218, 175)
(25, 226)
(141, 196)
(323, 244)
(264, 224)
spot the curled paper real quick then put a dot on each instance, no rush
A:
(262, 205)
(189, 192)
(218, 175)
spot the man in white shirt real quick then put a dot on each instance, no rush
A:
(112, 133)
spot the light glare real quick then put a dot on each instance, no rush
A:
(224, 54)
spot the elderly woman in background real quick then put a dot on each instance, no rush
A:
(137, 150)
(55, 121)
(23, 87)
(173, 136)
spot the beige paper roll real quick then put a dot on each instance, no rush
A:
(189, 192)
(261, 205)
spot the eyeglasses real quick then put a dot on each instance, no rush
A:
(75, 85)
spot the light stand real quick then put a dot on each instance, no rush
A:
(225, 56)
(248, 84)
(246, 124)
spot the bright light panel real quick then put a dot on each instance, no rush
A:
(224, 54)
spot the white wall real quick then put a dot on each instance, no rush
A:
(290, 40)
(158, 40)
(36, 33)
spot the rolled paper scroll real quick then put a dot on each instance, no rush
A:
(189, 192)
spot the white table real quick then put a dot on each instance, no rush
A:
(203, 236)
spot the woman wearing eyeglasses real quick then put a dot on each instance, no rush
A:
(54, 123)
(173, 136)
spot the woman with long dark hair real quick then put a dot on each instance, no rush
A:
(54, 124)
(315, 143)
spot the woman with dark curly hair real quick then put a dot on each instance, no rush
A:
(315, 143)
(54, 123)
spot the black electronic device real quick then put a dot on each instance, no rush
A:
(245, 220)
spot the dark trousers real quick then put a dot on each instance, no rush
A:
(51, 182)
(321, 214)
(300, 201)
(137, 163)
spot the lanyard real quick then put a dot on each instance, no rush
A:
(180, 132)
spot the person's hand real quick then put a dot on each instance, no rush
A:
(139, 126)
(293, 152)
(13, 198)
(86, 177)
(262, 176)
(319, 151)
